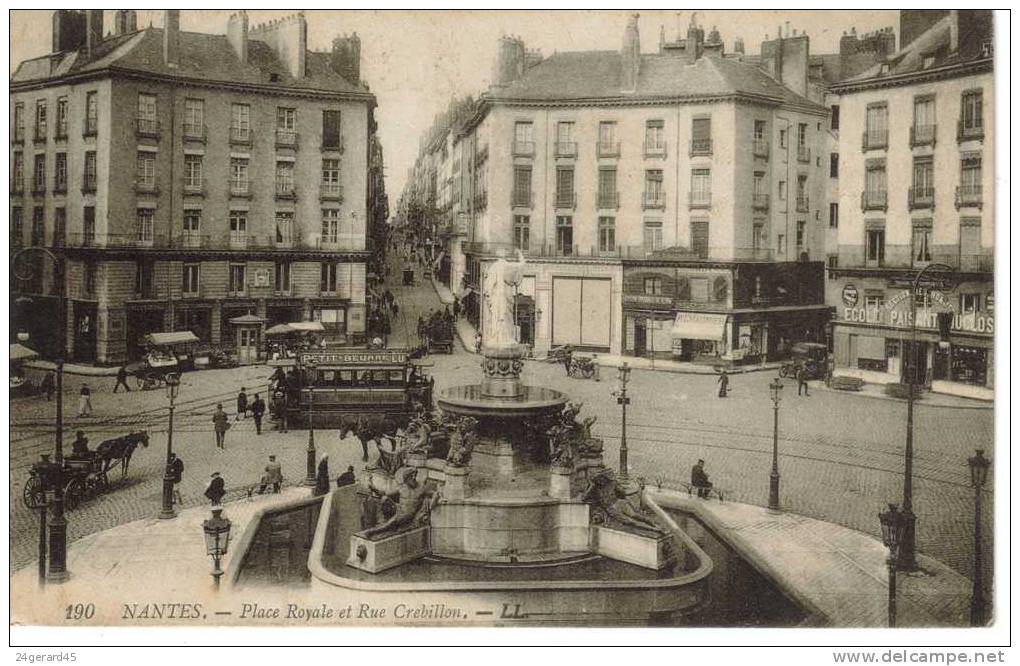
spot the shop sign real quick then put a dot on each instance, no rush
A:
(648, 299)
(926, 318)
(359, 357)
(850, 295)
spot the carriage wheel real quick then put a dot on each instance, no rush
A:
(34, 496)
(73, 492)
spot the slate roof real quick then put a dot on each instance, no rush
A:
(202, 56)
(596, 74)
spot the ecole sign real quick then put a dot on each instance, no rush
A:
(971, 322)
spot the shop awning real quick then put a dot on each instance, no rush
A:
(172, 338)
(21, 353)
(699, 326)
(248, 319)
(313, 326)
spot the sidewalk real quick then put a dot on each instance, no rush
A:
(75, 368)
(838, 573)
(928, 399)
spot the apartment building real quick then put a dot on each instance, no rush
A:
(212, 183)
(915, 188)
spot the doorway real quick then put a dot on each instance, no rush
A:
(85, 332)
(247, 345)
(640, 337)
(915, 358)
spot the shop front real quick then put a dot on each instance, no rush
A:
(701, 337)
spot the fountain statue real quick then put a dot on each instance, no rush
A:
(500, 329)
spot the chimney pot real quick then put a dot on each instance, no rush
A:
(171, 36)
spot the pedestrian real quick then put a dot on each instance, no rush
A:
(830, 368)
(347, 478)
(176, 468)
(242, 405)
(322, 477)
(258, 408)
(216, 489)
(478, 343)
(80, 445)
(396, 309)
(220, 424)
(568, 359)
(421, 329)
(724, 383)
(47, 386)
(699, 479)
(802, 378)
(85, 400)
(273, 476)
(456, 308)
(122, 379)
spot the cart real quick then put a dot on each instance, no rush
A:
(83, 478)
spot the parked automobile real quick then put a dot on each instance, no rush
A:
(812, 355)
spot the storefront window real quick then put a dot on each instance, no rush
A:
(969, 365)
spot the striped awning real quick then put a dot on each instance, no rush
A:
(699, 326)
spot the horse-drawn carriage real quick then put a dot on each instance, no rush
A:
(83, 475)
(439, 332)
(165, 353)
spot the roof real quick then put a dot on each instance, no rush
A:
(596, 74)
(837, 67)
(202, 56)
(247, 319)
(21, 353)
(172, 338)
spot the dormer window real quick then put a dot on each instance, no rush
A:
(927, 60)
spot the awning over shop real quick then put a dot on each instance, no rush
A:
(172, 338)
(699, 326)
(295, 327)
(248, 319)
(21, 353)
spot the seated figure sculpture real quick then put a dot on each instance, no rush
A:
(605, 494)
(415, 501)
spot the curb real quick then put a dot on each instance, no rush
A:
(74, 369)
(989, 406)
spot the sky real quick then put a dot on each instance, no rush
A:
(416, 61)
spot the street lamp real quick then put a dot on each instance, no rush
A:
(310, 453)
(173, 386)
(58, 524)
(623, 401)
(776, 389)
(217, 539)
(978, 475)
(893, 529)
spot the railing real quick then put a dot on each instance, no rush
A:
(18, 186)
(60, 186)
(760, 147)
(608, 200)
(566, 149)
(979, 263)
(90, 127)
(146, 187)
(875, 139)
(238, 240)
(194, 132)
(523, 148)
(191, 292)
(653, 199)
(920, 197)
(283, 240)
(194, 186)
(653, 149)
(39, 136)
(285, 188)
(60, 132)
(38, 238)
(969, 132)
(240, 189)
(760, 201)
(803, 154)
(608, 148)
(874, 200)
(286, 138)
(190, 239)
(968, 195)
(147, 127)
(803, 204)
(522, 199)
(59, 238)
(240, 135)
(337, 147)
(699, 200)
(340, 241)
(38, 188)
(701, 147)
(19, 135)
(555, 250)
(922, 135)
(133, 240)
(331, 191)
(566, 200)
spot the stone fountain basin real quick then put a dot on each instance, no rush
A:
(471, 401)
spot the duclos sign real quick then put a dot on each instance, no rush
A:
(896, 312)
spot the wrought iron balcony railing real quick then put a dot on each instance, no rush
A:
(968, 195)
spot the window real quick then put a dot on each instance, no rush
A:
(607, 234)
(193, 172)
(522, 232)
(40, 119)
(701, 187)
(564, 235)
(874, 250)
(144, 226)
(802, 198)
(699, 238)
(145, 171)
(782, 190)
(782, 138)
(91, 113)
(19, 122)
(17, 227)
(38, 226)
(701, 136)
(781, 244)
(970, 303)
(990, 303)
(284, 227)
(18, 175)
(971, 120)
(655, 195)
(874, 302)
(800, 235)
(758, 236)
(286, 119)
(60, 172)
(758, 186)
(970, 239)
(833, 165)
(330, 225)
(922, 194)
(240, 123)
(927, 60)
(833, 215)
(327, 278)
(59, 225)
(143, 279)
(285, 178)
(192, 226)
(607, 195)
(239, 227)
(761, 141)
(655, 137)
(189, 279)
(524, 133)
(238, 175)
(759, 130)
(832, 262)
(522, 186)
(565, 187)
(331, 177)
(39, 174)
(89, 280)
(801, 135)
(282, 277)
(652, 235)
(61, 118)
(565, 146)
(923, 131)
(146, 116)
(875, 185)
(607, 139)
(331, 131)
(194, 117)
(653, 286)
(876, 133)
(237, 278)
(89, 223)
(834, 117)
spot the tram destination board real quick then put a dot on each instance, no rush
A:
(347, 357)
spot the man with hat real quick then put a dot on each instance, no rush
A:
(216, 489)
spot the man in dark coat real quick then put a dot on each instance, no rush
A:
(220, 425)
(176, 473)
(802, 380)
(217, 489)
(121, 379)
(258, 409)
(322, 477)
(242, 405)
(347, 478)
(724, 383)
(700, 480)
(48, 386)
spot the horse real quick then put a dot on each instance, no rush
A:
(120, 450)
(368, 428)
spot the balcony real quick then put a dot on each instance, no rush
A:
(655, 149)
(522, 200)
(237, 240)
(240, 188)
(136, 240)
(965, 132)
(39, 136)
(59, 238)
(60, 133)
(38, 188)
(193, 132)
(240, 135)
(803, 204)
(90, 127)
(922, 135)
(523, 149)
(331, 192)
(608, 200)
(147, 187)
(875, 140)
(194, 187)
(18, 186)
(760, 148)
(699, 200)
(608, 148)
(286, 138)
(38, 238)
(701, 147)
(285, 189)
(147, 127)
(977, 263)
(566, 200)
(968, 195)
(333, 144)
(88, 184)
(874, 200)
(191, 291)
(566, 149)
(803, 154)
(19, 135)
(193, 240)
(60, 187)
(920, 197)
(760, 201)
(653, 199)
(284, 239)
(340, 241)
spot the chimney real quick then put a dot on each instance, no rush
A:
(630, 55)
(738, 45)
(237, 35)
(68, 30)
(125, 21)
(510, 58)
(954, 31)
(346, 58)
(695, 41)
(93, 30)
(288, 37)
(172, 37)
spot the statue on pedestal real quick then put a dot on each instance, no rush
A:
(414, 502)
(462, 442)
(500, 329)
(609, 505)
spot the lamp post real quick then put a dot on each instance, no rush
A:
(45, 471)
(173, 386)
(623, 401)
(978, 475)
(907, 552)
(217, 539)
(893, 528)
(776, 389)
(58, 572)
(310, 452)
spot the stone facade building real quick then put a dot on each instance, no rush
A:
(191, 179)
